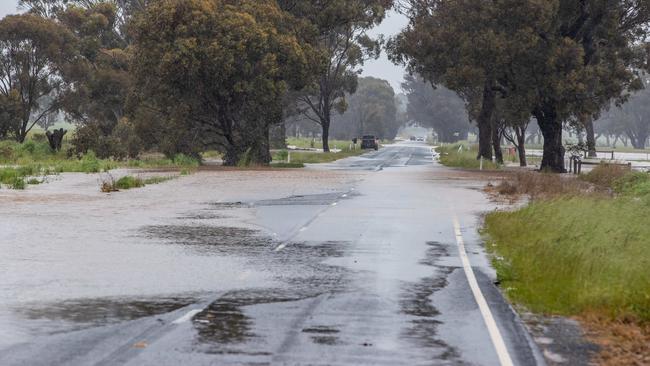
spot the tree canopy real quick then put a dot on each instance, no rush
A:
(219, 68)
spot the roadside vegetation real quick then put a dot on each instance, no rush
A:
(28, 163)
(579, 248)
(462, 155)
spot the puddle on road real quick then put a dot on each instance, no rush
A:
(225, 327)
(87, 313)
(213, 240)
(323, 335)
(203, 215)
(228, 205)
(306, 200)
(416, 302)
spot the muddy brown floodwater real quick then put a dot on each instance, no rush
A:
(73, 257)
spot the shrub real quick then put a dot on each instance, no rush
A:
(635, 184)
(18, 183)
(128, 182)
(605, 175)
(185, 161)
(90, 163)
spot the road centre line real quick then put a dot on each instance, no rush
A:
(306, 225)
(189, 315)
(490, 323)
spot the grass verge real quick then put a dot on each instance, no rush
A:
(462, 156)
(580, 249)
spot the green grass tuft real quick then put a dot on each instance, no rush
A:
(128, 182)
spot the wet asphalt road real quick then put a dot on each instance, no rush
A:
(369, 275)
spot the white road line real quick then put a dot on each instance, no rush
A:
(187, 316)
(495, 335)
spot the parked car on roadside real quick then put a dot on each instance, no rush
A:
(369, 142)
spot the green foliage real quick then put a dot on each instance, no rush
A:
(439, 108)
(371, 110)
(281, 155)
(128, 182)
(343, 46)
(571, 256)
(635, 184)
(32, 69)
(216, 66)
(18, 183)
(182, 160)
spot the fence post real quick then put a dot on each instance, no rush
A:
(289, 157)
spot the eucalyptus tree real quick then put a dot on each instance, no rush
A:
(344, 45)
(32, 52)
(566, 59)
(438, 108)
(218, 68)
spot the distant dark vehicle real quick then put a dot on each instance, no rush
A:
(412, 138)
(369, 142)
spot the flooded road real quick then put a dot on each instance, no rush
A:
(351, 263)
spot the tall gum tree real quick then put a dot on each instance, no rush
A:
(32, 50)
(566, 58)
(219, 68)
(344, 46)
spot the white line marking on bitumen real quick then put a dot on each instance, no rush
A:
(189, 315)
(306, 226)
(490, 323)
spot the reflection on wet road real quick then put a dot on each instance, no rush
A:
(362, 273)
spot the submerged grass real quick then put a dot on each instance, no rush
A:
(576, 250)
(130, 182)
(32, 159)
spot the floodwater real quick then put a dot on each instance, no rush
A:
(72, 255)
(349, 263)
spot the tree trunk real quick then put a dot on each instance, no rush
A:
(259, 152)
(326, 137)
(496, 143)
(639, 141)
(551, 127)
(591, 136)
(232, 156)
(521, 146)
(485, 123)
(608, 140)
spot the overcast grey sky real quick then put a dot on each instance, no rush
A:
(8, 7)
(381, 68)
